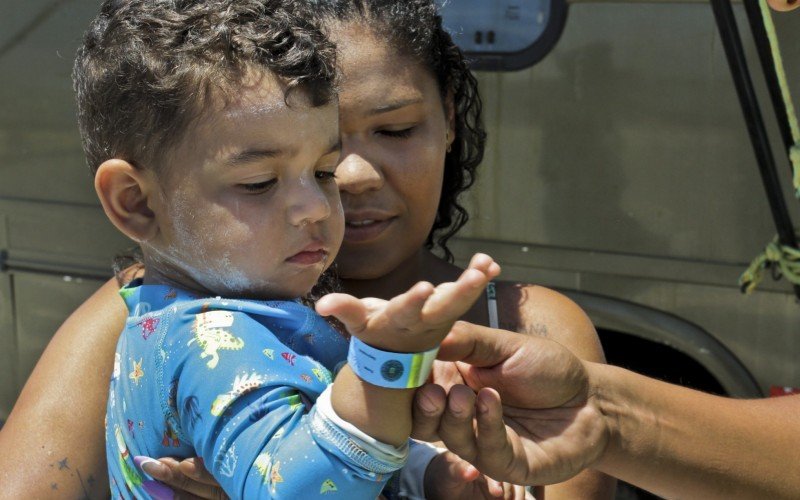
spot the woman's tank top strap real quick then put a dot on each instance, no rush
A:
(491, 304)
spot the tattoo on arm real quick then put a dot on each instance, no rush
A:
(86, 484)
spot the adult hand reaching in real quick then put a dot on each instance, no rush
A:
(551, 429)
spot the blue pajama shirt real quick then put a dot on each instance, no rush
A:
(233, 381)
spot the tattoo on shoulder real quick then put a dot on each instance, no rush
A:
(539, 329)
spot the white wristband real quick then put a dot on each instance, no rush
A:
(394, 370)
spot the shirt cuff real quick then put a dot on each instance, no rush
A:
(366, 451)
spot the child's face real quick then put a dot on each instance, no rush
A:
(249, 205)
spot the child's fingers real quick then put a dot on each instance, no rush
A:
(404, 311)
(452, 300)
(484, 264)
(352, 312)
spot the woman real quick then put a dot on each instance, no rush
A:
(412, 140)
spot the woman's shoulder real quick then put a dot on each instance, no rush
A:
(538, 310)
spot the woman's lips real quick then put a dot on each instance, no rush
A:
(365, 229)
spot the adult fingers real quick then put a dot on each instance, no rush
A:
(459, 470)
(479, 345)
(495, 488)
(194, 468)
(429, 404)
(493, 443)
(168, 471)
(456, 429)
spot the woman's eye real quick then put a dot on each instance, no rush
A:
(258, 187)
(324, 175)
(397, 134)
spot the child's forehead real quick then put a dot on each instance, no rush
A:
(255, 92)
(257, 111)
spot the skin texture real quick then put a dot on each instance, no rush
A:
(380, 171)
(248, 206)
(541, 414)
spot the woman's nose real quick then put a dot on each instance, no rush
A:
(356, 175)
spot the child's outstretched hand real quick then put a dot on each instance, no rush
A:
(414, 321)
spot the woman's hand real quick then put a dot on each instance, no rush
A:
(188, 479)
(449, 477)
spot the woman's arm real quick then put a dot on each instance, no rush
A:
(682, 443)
(542, 312)
(564, 414)
(52, 444)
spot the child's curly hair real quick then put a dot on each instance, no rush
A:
(147, 68)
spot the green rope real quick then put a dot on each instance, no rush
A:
(783, 260)
(776, 256)
(794, 151)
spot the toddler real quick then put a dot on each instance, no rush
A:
(211, 128)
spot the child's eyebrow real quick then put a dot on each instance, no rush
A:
(251, 155)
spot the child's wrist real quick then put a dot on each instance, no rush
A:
(393, 370)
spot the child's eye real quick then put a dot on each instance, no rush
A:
(397, 134)
(258, 187)
(324, 175)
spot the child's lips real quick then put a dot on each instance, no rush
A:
(310, 255)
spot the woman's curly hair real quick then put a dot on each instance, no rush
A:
(147, 68)
(415, 29)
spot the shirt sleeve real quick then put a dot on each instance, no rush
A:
(245, 401)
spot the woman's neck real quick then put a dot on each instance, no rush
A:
(422, 266)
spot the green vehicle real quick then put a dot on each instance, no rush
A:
(619, 170)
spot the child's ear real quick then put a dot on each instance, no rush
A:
(124, 193)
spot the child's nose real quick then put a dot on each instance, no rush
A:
(356, 174)
(308, 204)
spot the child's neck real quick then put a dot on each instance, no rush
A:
(163, 271)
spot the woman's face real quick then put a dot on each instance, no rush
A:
(395, 135)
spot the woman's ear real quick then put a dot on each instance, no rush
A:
(124, 193)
